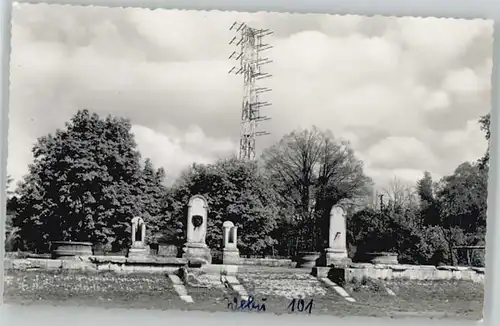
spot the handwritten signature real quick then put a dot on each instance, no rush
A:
(251, 304)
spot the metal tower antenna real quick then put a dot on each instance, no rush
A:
(250, 43)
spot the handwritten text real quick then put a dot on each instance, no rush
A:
(250, 304)
(300, 305)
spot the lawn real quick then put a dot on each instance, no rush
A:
(103, 289)
(439, 299)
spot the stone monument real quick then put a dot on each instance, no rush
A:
(138, 247)
(195, 249)
(336, 253)
(230, 252)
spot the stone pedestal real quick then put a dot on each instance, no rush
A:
(70, 249)
(197, 253)
(138, 249)
(336, 257)
(165, 250)
(230, 256)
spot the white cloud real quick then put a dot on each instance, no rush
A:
(438, 42)
(469, 141)
(462, 81)
(380, 82)
(395, 152)
(437, 101)
(176, 152)
(384, 177)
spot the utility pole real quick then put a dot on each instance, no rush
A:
(381, 202)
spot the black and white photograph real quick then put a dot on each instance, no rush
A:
(253, 163)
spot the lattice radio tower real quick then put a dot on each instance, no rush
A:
(250, 43)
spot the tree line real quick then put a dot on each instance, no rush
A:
(88, 180)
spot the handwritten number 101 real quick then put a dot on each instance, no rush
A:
(300, 305)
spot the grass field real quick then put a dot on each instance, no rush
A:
(438, 299)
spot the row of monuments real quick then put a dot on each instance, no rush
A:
(197, 252)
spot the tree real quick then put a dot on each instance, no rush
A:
(11, 232)
(84, 184)
(9, 212)
(390, 227)
(461, 198)
(10, 192)
(485, 123)
(400, 195)
(155, 201)
(311, 171)
(429, 208)
(367, 231)
(236, 191)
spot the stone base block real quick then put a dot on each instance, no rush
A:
(308, 259)
(197, 254)
(70, 249)
(337, 257)
(320, 272)
(138, 252)
(230, 256)
(166, 250)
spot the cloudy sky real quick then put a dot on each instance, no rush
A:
(406, 92)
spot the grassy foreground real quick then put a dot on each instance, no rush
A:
(438, 299)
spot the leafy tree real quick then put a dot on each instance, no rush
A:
(155, 201)
(432, 249)
(425, 188)
(367, 231)
(311, 171)
(484, 121)
(236, 191)
(10, 192)
(392, 227)
(462, 198)
(429, 207)
(84, 184)
(11, 232)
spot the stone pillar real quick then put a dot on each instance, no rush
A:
(336, 253)
(195, 249)
(234, 232)
(230, 252)
(134, 230)
(189, 232)
(225, 235)
(143, 233)
(138, 248)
